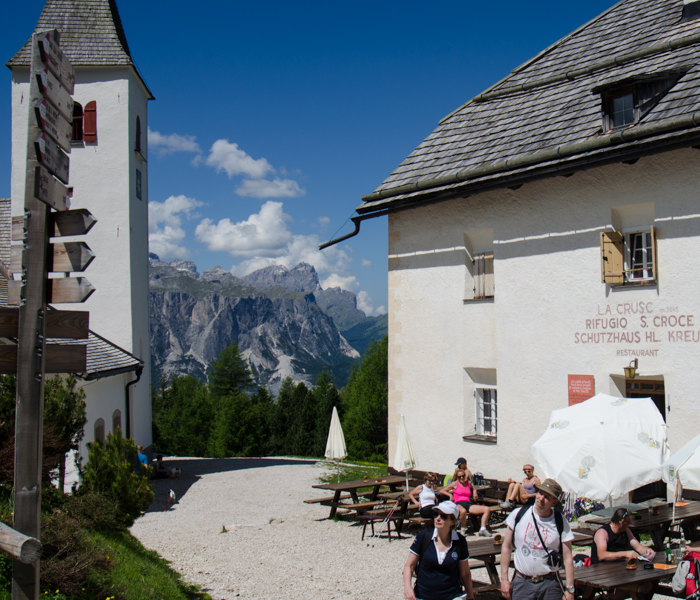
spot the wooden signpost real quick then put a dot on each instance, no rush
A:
(50, 116)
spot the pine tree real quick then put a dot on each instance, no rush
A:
(229, 373)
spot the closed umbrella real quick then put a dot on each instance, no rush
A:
(335, 446)
(404, 458)
(603, 447)
(683, 468)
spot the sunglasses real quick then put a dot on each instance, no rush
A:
(439, 515)
(461, 476)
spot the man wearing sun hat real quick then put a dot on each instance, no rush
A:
(534, 534)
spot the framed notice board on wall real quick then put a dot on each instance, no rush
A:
(581, 387)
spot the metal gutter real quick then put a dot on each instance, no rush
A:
(633, 133)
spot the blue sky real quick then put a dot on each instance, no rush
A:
(271, 120)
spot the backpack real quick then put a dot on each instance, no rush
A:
(558, 520)
(692, 579)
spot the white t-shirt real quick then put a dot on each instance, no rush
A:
(529, 556)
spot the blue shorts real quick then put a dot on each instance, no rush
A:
(464, 504)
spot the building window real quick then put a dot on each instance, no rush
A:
(77, 122)
(90, 122)
(486, 411)
(138, 135)
(622, 109)
(138, 184)
(628, 258)
(483, 275)
(100, 430)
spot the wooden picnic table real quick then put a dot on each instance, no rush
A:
(486, 551)
(656, 526)
(391, 481)
(639, 584)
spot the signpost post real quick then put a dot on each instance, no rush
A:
(50, 114)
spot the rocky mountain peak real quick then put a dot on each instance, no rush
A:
(302, 278)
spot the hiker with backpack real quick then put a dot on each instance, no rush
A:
(439, 556)
(541, 539)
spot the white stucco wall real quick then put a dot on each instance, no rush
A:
(103, 176)
(547, 285)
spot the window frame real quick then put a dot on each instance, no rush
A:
(77, 133)
(482, 397)
(617, 266)
(609, 100)
(484, 283)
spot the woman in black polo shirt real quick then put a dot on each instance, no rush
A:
(444, 560)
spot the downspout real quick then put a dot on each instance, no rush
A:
(127, 412)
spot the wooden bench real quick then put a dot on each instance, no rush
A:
(372, 519)
(326, 500)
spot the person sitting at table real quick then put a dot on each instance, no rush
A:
(522, 493)
(159, 471)
(426, 500)
(460, 465)
(611, 541)
(462, 494)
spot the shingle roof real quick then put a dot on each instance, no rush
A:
(546, 117)
(104, 358)
(91, 34)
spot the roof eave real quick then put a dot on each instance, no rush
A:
(492, 177)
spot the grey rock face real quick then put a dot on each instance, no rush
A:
(193, 318)
(302, 278)
(341, 305)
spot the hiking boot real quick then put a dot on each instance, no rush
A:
(507, 504)
(484, 533)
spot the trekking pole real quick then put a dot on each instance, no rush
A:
(386, 520)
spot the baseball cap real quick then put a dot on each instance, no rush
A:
(460, 460)
(448, 508)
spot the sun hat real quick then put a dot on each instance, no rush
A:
(461, 460)
(448, 507)
(551, 487)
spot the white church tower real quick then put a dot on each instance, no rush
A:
(109, 176)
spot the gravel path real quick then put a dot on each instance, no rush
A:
(275, 546)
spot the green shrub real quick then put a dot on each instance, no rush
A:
(110, 472)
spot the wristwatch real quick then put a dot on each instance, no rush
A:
(571, 589)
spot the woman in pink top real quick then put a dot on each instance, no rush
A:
(462, 494)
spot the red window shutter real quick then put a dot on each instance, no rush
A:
(90, 122)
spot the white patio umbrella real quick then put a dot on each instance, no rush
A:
(335, 446)
(683, 468)
(404, 457)
(603, 447)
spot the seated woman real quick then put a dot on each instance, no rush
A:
(522, 493)
(461, 493)
(611, 541)
(426, 496)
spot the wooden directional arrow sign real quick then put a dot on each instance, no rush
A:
(50, 87)
(68, 222)
(60, 358)
(64, 290)
(51, 55)
(52, 122)
(72, 324)
(50, 190)
(63, 257)
(49, 153)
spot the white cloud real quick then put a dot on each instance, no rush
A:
(334, 280)
(263, 188)
(364, 302)
(323, 222)
(264, 239)
(165, 233)
(366, 263)
(381, 310)
(228, 157)
(169, 144)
